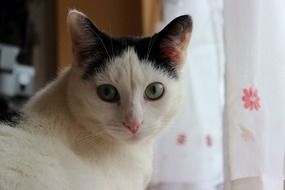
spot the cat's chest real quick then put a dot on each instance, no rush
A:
(130, 170)
(122, 171)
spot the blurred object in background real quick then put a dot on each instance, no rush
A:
(16, 42)
(16, 46)
(27, 49)
(17, 37)
(17, 28)
(15, 79)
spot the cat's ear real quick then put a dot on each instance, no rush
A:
(87, 40)
(174, 39)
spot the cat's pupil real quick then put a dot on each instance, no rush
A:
(107, 92)
(153, 89)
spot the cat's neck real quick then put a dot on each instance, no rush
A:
(47, 111)
(48, 114)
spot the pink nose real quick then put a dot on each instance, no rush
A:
(132, 125)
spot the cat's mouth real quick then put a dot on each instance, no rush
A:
(134, 138)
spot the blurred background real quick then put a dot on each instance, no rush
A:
(35, 47)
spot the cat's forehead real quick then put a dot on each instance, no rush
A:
(130, 70)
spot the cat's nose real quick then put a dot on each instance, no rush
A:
(132, 125)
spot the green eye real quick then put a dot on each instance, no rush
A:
(154, 91)
(108, 93)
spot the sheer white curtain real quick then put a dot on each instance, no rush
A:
(189, 154)
(255, 94)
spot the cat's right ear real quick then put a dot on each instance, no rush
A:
(85, 37)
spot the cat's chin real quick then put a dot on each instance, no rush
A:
(134, 139)
(130, 140)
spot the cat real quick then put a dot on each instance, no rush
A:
(94, 127)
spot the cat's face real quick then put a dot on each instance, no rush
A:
(127, 89)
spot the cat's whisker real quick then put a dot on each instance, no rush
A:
(148, 48)
(100, 39)
(112, 46)
(151, 45)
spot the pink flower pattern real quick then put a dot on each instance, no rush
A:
(247, 134)
(209, 141)
(251, 99)
(181, 139)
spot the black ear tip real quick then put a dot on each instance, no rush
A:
(179, 25)
(185, 20)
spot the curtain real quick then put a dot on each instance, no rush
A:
(189, 154)
(255, 94)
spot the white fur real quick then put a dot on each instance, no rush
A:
(72, 140)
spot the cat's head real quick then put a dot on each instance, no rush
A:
(128, 88)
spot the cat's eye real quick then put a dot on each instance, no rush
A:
(108, 93)
(154, 91)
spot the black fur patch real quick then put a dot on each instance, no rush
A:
(102, 48)
(117, 46)
(11, 118)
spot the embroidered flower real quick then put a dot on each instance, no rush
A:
(181, 139)
(163, 157)
(246, 134)
(209, 141)
(251, 99)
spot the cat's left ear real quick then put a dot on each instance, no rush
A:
(87, 40)
(174, 40)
